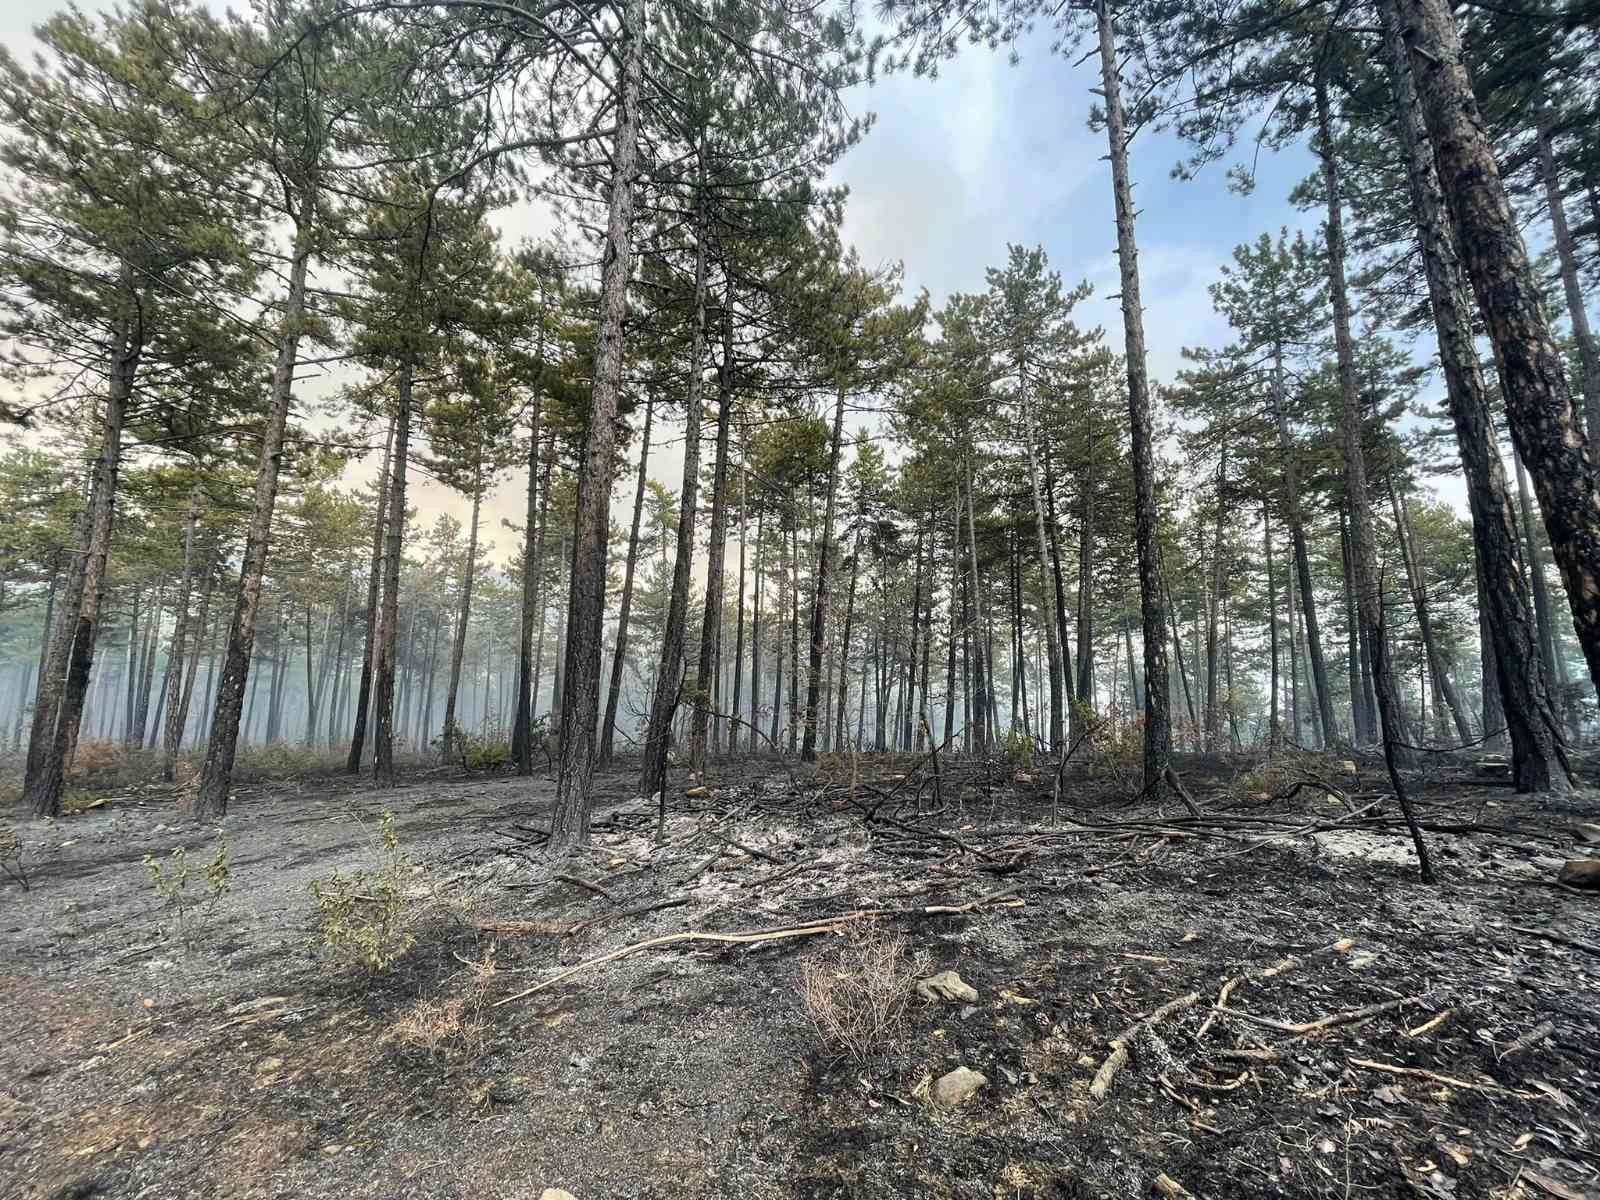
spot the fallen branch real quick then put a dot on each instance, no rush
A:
(1119, 1046)
(1328, 1022)
(1171, 777)
(1532, 1038)
(774, 876)
(750, 850)
(743, 939)
(1429, 1025)
(577, 881)
(956, 909)
(1559, 938)
(1488, 1089)
(676, 902)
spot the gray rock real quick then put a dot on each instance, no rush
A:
(957, 1087)
(947, 985)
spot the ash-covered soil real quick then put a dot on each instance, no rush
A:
(223, 1055)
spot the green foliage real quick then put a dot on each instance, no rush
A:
(361, 918)
(171, 881)
(1017, 746)
(488, 751)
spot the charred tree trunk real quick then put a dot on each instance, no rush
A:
(59, 706)
(212, 798)
(1532, 375)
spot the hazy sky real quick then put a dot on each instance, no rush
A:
(990, 154)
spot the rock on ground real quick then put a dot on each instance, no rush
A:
(957, 1087)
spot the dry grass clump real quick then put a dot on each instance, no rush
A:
(856, 993)
(454, 1024)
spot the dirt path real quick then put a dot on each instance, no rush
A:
(246, 1066)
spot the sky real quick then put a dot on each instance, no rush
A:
(958, 167)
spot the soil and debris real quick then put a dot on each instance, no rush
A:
(1257, 1001)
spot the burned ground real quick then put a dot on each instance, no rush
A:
(1456, 1054)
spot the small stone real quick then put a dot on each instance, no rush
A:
(1581, 873)
(556, 1194)
(947, 985)
(957, 1087)
(1586, 832)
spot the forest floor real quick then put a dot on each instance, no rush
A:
(1456, 1048)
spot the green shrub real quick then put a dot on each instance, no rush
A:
(171, 880)
(1017, 746)
(361, 917)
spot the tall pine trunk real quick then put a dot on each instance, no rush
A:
(1363, 543)
(369, 651)
(212, 798)
(1532, 374)
(819, 599)
(669, 676)
(711, 623)
(458, 652)
(388, 620)
(1157, 713)
(608, 728)
(522, 730)
(59, 706)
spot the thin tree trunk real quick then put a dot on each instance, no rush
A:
(819, 600)
(1566, 257)
(389, 618)
(1274, 728)
(669, 674)
(1157, 715)
(458, 652)
(711, 622)
(369, 651)
(59, 708)
(608, 727)
(212, 798)
(1058, 686)
(738, 645)
(1363, 546)
(522, 728)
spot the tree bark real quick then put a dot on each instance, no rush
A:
(59, 707)
(711, 623)
(819, 600)
(1532, 375)
(608, 728)
(1566, 256)
(172, 727)
(522, 730)
(212, 798)
(1363, 544)
(1157, 714)
(369, 651)
(451, 734)
(389, 618)
(669, 675)
(1052, 648)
